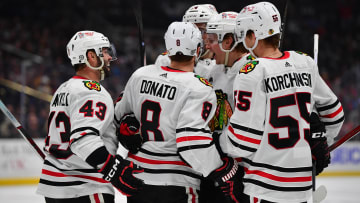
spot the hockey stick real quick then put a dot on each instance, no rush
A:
(345, 138)
(283, 25)
(138, 15)
(21, 130)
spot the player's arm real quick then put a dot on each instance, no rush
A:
(329, 108)
(91, 116)
(246, 127)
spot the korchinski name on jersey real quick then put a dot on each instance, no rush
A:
(61, 99)
(288, 80)
(158, 89)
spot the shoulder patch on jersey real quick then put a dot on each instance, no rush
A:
(302, 53)
(203, 80)
(248, 67)
(164, 53)
(250, 57)
(92, 85)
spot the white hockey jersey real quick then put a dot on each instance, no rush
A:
(80, 121)
(222, 77)
(174, 108)
(270, 123)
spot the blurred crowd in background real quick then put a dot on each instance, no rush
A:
(44, 28)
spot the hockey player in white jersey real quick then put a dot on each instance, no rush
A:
(270, 127)
(199, 15)
(174, 107)
(81, 165)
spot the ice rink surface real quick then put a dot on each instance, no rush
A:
(339, 190)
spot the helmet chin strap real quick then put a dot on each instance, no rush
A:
(252, 48)
(226, 58)
(99, 68)
(206, 52)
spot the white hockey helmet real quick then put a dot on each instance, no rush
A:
(199, 13)
(86, 40)
(182, 38)
(262, 18)
(221, 24)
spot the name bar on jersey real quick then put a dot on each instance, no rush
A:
(61, 99)
(286, 81)
(158, 89)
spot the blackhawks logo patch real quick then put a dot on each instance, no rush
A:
(92, 85)
(302, 53)
(164, 53)
(203, 80)
(250, 66)
(250, 57)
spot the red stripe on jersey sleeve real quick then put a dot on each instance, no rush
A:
(58, 174)
(150, 161)
(332, 115)
(243, 138)
(192, 138)
(277, 178)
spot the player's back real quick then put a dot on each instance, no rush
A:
(273, 101)
(168, 103)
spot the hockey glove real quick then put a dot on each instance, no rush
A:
(120, 173)
(229, 178)
(318, 143)
(128, 133)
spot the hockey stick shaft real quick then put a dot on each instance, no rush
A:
(21, 130)
(345, 138)
(138, 15)
(283, 26)
(316, 47)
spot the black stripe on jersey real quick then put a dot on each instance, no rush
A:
(277, 188)
(277, 168)
(156, 154)
(46, 162)
(242, 146)
(191, 147)
(324, 108)
(160, 171)
(77, 139)
(335, 122)
(85, 128)
(247, 129)
(192, 130)
(53, 183)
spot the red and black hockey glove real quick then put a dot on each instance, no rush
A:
(120, 173)
(318, 143)
(128, 133)
(229, 178)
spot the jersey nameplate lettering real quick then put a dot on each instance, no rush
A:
(92, 85)
(288, 80)
(158, 89)
(61, 99)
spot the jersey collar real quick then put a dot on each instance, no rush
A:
(167, 68)
(79, 77)
(285, 55)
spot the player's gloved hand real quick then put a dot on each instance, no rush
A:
(318, 143)
(128, 133)
(120, 173)
(229, 178)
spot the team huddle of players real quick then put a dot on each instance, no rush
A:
(222, 116)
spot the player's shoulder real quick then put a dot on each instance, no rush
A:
(163, 59)
(82, 86)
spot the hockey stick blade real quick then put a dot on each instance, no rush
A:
(319, 194)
